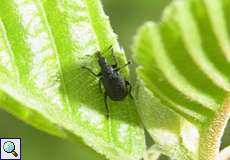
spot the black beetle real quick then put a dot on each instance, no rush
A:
(114, 85)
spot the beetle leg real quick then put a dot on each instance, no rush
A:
(88, 69)
(118, 69)
(100, 85)
(106, 105)
(130, 88)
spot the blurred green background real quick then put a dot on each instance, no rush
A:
(125, 16)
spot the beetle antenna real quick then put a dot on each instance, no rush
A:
(108, 49)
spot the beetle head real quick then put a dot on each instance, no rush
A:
(98, 54)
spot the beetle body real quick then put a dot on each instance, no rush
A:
(115, 87)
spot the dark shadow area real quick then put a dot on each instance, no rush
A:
(164, 157)
(148, 139)
(226, 137)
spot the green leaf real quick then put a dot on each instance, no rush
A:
(43, 45)
(184, 78)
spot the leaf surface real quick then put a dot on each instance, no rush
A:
(184, 78)
(43, 45)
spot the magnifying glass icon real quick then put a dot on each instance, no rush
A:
(9, 147)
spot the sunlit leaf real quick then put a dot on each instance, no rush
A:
(184, 78)
(43, 45)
